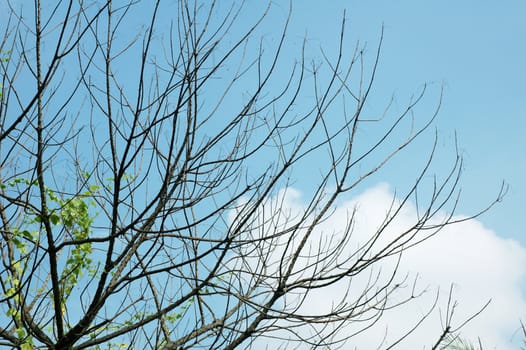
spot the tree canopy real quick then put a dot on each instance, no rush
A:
(148, 152)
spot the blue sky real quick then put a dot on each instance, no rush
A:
(476, 51)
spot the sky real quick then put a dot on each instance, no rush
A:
(475, 51)
(492, 272)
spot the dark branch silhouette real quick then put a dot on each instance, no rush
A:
(148, 150)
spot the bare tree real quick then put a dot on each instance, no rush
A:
(147, 151)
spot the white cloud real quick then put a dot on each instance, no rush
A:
(480, 264)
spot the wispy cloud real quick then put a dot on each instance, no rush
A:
(467, 258)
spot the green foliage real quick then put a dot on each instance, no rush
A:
(75, 217)
(26, 342)
(4, 58)
(68, 214)
(72, 215)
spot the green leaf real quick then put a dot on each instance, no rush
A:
(18, 243)
(55, 219)
(27, 346)
(27, 235)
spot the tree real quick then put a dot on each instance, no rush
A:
(147, 153)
